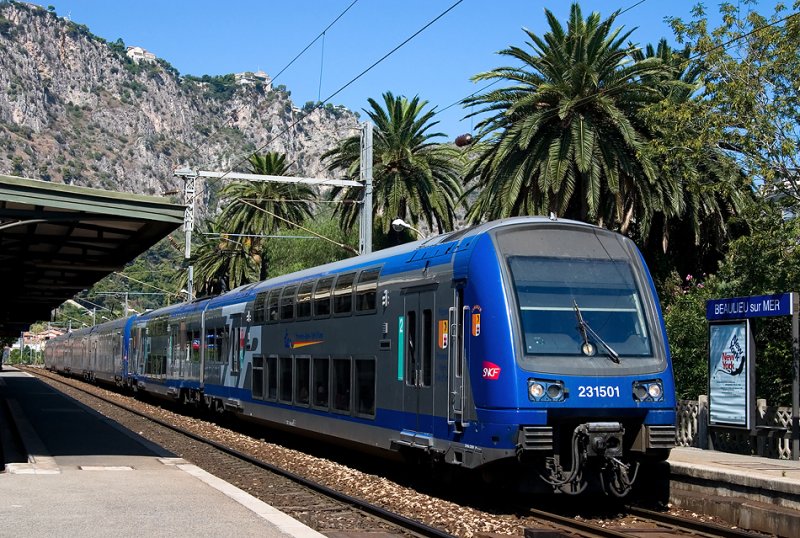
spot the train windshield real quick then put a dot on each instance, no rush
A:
(580, 306)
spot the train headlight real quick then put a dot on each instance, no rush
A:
(554, 391)
(535, 390)
(651, 390)
(546, 390)
(655, 391)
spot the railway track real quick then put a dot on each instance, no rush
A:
(331, 511)
(648, 524)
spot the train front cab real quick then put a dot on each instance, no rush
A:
(570, 355)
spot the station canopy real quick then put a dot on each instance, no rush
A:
(57, 240)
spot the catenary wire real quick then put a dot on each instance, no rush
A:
(338, 91)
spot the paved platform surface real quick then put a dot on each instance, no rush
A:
(747, 471)
(748, 492)
(87, 476)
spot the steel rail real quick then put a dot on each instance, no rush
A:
(698, 526)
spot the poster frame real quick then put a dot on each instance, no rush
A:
(749, 378)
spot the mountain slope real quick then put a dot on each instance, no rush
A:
(76, 110)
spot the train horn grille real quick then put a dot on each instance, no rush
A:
(536, 438)
(661, 436)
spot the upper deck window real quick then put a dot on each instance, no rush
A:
(258, 307)
(287, 303)
(273, 305)
(343, 294)
(322, 297)
(304, 300)
(366, 290)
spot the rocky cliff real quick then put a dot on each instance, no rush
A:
(75, 109)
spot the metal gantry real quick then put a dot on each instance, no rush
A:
(189, 177)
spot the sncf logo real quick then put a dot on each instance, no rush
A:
(491, 371)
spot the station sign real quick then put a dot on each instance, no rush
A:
(756, 306)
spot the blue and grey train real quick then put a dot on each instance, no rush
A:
(532, 344)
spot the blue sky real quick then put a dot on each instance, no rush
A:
(217, 37)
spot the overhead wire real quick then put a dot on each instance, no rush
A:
(321, 34)
(487, 86)
(318, 106)
(690, 59)
(233, 114)
(342, 88)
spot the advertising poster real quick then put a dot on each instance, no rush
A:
(729, 374)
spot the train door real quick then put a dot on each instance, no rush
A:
(93, 353)
(418, 347)
(457, 354)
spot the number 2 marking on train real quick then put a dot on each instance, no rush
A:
(595, 391)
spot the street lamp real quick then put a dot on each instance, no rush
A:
(398, 225)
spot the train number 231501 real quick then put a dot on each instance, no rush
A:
(595, 391)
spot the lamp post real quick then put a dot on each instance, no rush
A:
(398, 225)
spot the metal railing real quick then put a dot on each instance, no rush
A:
(773, 427)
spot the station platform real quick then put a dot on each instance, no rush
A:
(748, 492)
(87, 476)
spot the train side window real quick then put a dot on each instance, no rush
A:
(272, 378)
(427, 346)
(237, 342)
(215, 344)
(195, 346)
(258, 307)
(365, 387)
(273, 304)
(343, 294)
(302, 380)
(257, 387)
(341, 385)
(411, 347)
(287, 303)
(304, 300)
(322, 297)
(285, 384)
(366, 290)
(321, 382)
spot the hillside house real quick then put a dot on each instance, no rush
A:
(247, 78)
(138, 54)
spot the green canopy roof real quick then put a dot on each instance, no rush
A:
(56, 240)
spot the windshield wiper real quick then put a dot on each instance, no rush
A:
(585, 330)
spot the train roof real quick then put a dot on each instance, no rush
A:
(100, 327)
(407, 251)
(394, 256)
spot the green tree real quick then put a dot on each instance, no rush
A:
(290, 255)
(713, 190)
(414, 178)
(221, 262)
(752, 64)
(259, 208)
(564, 137)
(763, 262)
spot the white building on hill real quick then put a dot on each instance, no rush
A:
(138, 54)
(248, 77)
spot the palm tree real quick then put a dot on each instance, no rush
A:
(259, 207)
(221, 262)
(413, 178)
(563, 138)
